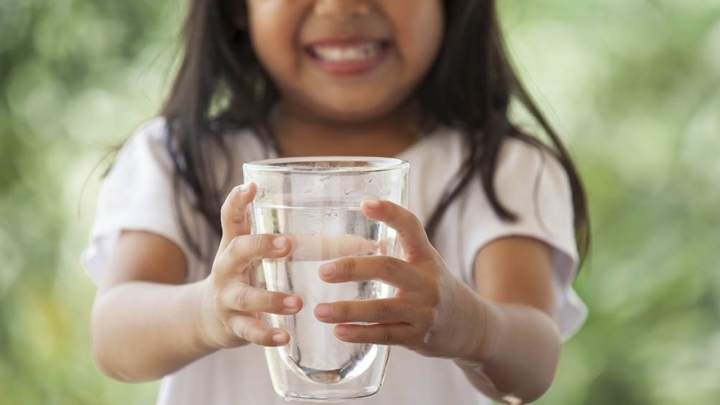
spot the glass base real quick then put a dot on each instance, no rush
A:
(328, 397)
(294, 387)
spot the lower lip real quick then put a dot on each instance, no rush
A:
(350, 68)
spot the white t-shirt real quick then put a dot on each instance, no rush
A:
(138, 195)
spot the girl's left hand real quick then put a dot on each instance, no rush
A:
(432, 312)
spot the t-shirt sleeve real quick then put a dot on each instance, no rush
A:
(532, 184)
(136, 195)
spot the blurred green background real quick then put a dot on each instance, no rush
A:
(634, 85)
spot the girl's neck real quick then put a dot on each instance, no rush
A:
(299, 133)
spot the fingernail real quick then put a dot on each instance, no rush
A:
(245, 187)
(278, 337)
(290, 302)
(327, 270)
(342, 330)
(372, 204)
(323, 311)
(279, 243)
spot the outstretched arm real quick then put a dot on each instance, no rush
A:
(517, 358)
(503, 335)
(147, 324)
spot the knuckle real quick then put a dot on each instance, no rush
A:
(401, 232)
(343, 310)
(261, 242)
(245, 248)
(244, 331)
(424, 324)
(242, 298)
(428, 316)
(415, 221)
(269, 301)
(267, 247)
(232, 337)
(252, 333)
(235, 324)
(433, 295)
(346, 266)
(404, 335)
(393, 209)
(235, 247)
(232, 209)
(386, 336)
(388, 266)
(383, 310)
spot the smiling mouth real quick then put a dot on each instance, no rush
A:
(359, 51)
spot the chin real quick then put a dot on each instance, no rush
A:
(352, 110)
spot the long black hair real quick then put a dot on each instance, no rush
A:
(222, 86)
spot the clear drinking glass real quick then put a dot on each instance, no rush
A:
(315, 202)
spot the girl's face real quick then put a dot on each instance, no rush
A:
(347, 60)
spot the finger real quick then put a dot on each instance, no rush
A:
(233, 214)
(325, 247)
(256, 331)
(243, 251)
(391, 310)
(250, 299)
(410, 231)
(382, 334)
(390, 270)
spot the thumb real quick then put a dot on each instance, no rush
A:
(234, 217)
(410, 231)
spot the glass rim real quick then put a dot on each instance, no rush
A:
(283, 165)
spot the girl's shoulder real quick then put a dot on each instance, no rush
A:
(449, 146)
(155, 129)
(526, 161)
(150, 136)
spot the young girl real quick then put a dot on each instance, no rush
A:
(484, 294)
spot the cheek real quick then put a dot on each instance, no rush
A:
(419, 30)
(273, 26)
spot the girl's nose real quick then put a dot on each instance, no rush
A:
(342, 8)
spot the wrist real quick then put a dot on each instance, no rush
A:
(201, 339)
(483, 345)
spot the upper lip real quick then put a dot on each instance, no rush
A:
(343, 42)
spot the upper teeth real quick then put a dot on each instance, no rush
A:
(354, 53)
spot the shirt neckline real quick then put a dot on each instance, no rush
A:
(272, 152)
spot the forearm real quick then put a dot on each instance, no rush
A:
(143, 331)
(518, 355)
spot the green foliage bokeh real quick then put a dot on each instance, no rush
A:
(633, 85)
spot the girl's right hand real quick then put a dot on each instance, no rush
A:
(231, 307)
